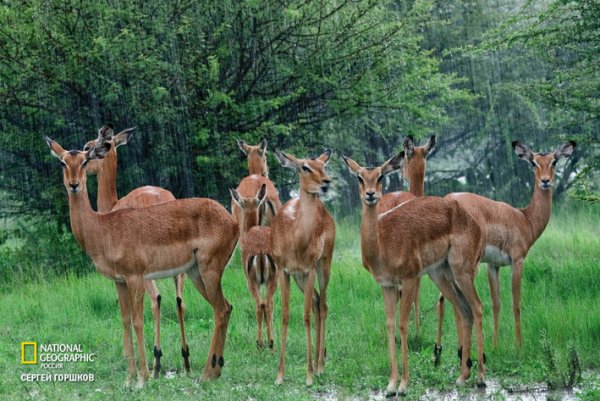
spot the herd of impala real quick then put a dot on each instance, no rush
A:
(149, 235)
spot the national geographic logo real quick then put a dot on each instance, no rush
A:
(28, 353)
(54, 356)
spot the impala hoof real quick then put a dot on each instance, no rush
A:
(481, 384)
(260, 345)
(402, 388)
(279, 380)
(390, 391)
(437, 355)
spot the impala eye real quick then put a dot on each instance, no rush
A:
(380, 178)
(85, 162)
(360, 180)
(63, 164)
(306, 169)
(553, 163)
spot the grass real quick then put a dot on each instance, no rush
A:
(561, 294)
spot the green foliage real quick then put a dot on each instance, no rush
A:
(192, 76)
(40, 250)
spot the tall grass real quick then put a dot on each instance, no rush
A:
(560, 298)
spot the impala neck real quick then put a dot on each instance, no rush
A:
(369, 240)
(539, 210)
(107, 183)
(416, 182)
(83, 221)
(307, 212)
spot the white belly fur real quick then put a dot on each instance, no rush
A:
(170, 272)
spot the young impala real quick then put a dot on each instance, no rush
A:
(511, 232)
(426, 235)
(106, 171)
(302, 238)
(128, 246)
(257, 260)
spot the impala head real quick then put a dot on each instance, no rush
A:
(543, 163)
(257, 157)
(370, 179)
(74, 163)
(250, 207)
(106, 135)
(415, 156)
(313, 178)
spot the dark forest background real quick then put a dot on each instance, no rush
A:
(356, 76)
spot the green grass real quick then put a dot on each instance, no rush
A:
(560, 302)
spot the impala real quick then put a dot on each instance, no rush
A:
(258, 175)
(302, 239)
(415, 160)
(257, 260)
(128, 246)
(511, 232)
(106, 171)
(427, 235)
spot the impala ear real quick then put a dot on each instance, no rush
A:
(325, 156)
(99, 151)
(393, 164)
(409, 145)
(353, 166)
(236, 197)
(123, 137)
(523, 151)
(287, 160)
(55, 149)
(429, 145)
(260, 195)
(565, 150)
(262, 146)
(106, 132)
(243, 146)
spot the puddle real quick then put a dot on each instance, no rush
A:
(493, 392)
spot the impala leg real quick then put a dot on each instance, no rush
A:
(210, 276)
(185, 349)
(464, 321)
(126, 317)
(135, 285)
(437, 351)
(323, 272)
(269, 304)
(152, 291)
(495, 292)
(285, 319)
(309, 287)
(300, 280)
(517, 275)
(390, 299)
(254, 289)
(465, 282)
(410, 289)
(417, 303)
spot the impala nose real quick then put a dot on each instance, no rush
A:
(545, 184)
(370, 197)
(74, 186)
(326, 185)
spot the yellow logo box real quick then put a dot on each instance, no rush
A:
(32, 345)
